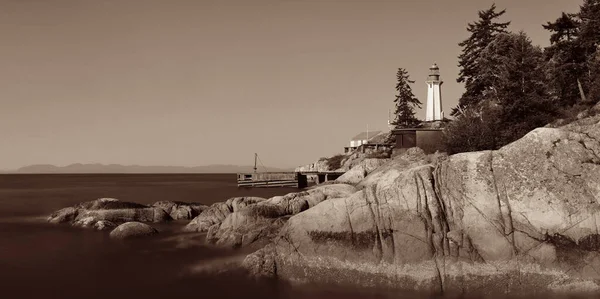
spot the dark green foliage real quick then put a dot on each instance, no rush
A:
(589, 27)
(593, 82)
(589, 40)
(405, 101)
(335, 162)
(482, 32)
(564, 29)
(472, 131)
(565, 60)
(390, 139)
(514, 102)
(573, 55)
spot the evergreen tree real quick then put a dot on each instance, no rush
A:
(589, 41)
(566, 61)
(512, 69)
(564, 29)
(405, 102)
(589, 16)
(482, 32)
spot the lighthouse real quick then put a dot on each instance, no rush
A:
(434, 95)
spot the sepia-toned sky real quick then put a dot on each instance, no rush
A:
(196, 82)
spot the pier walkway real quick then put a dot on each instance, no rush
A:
(284, 179)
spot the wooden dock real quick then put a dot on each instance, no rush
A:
(283, 179)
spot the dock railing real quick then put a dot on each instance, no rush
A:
(283, 179)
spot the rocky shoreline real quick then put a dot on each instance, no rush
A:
(522, 219)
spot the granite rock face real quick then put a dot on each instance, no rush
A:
(105, 213)
(520, 219)
(357, 173)
(257, 223)
(358, 156)
(217, 212)
(181, 210)
(130, 230)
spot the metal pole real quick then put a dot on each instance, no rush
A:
(255, 157)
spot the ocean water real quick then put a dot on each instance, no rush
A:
(41, 260)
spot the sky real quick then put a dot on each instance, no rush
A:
(198, 82)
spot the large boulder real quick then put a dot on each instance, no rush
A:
(181, 210)
(412, 157)
(217, 212)
(258, 223)
(130, 230)
(360, 171)
(520, 219)
(105, 213)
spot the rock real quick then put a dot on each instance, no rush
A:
(149, 214)
(256, 224)
(410, 158)
(350, 159)
(360, 171)
(357, 157)
(261, 264)
(181, 210)
(520, 219)
(104, 225)
(217, 212)
(318, 166)
(129, 230)
(583, 114)
(108, 210)
(63, 215)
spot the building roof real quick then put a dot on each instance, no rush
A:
(363, 135)
(379, 139)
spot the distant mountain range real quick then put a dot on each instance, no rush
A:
(117, 168)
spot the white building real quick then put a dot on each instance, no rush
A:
(370, 137)
(433, 110)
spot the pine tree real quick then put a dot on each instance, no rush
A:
(564, 29)
(405, 101)
(482, 32)
(589, 41)
(589, 16)
(512, 69)
(566, 61)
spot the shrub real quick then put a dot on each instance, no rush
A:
(471, 132)
(335, 162)
(569, 114)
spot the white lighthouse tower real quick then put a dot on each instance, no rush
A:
(434, 95)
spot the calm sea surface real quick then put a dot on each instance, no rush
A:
(41, 260)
